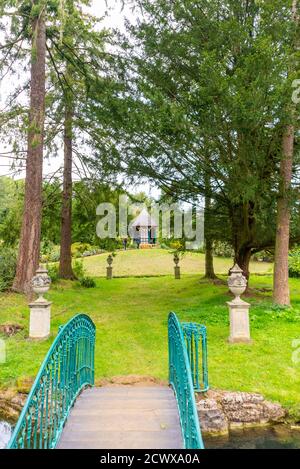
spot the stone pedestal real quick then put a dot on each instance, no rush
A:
(239, 321)
(109, 272)
(39, 326)
(177, 272)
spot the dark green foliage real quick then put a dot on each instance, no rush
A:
(51, 212)
(294, 263)
(11, 208)
(110, 244)
(87, 282)
(78, 269)
(223, 249)
(8, 263)
(205, 94)
(87, 196)
(80, 273)
(49, 252)
(79, 249)
(53, 272)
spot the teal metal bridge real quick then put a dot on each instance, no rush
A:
(59, 395)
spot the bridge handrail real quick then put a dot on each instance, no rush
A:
(195, 339)
(67, 368)
(180, 378)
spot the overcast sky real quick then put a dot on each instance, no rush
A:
(114, 12)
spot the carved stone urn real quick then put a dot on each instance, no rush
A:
(176, 259)
(237, 282)
(109, 269)
(110, 260)
(40, 284)
(177, 267)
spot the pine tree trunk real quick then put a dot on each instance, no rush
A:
(209, 259)
(29, 248)
(242, 258)
(65, 265)
(281, 294)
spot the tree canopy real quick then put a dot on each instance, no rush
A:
(206, 93)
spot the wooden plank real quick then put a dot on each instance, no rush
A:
(123, 417)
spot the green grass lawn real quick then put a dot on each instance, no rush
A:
(160, 262)
(131, 319)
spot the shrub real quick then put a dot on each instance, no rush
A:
(93, 252)
(222, 249)
(8, 264)
(44, 258)
(53, 272)
(172, 243)
(84, 250)
(54, 256)
(77, 249)
(177, 244)
(109, 244)
(87, 282)
(79, 272)
(49, 252)
(294, 263)
(46, 247)
(78, 269)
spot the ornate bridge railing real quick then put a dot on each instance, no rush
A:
(66, 370)
(196, 344)
(183, 381)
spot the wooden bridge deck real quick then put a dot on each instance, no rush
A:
(123, 417)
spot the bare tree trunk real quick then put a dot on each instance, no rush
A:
(281, 293)
(65, 265)
(29, 249)
(209, 259)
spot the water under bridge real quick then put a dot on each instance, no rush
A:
(65, 411)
